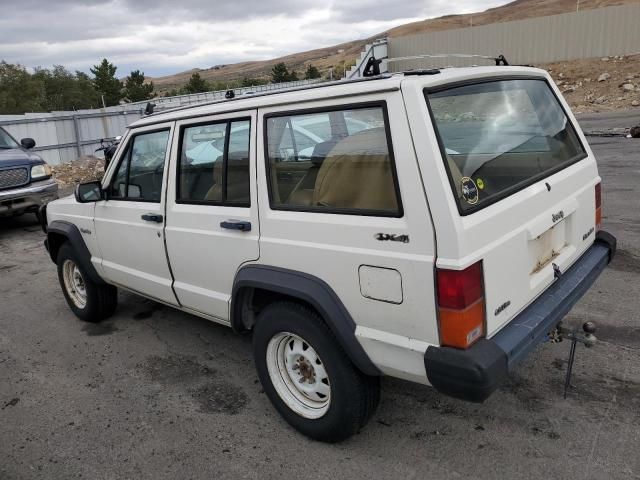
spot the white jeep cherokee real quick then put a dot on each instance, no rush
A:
(432, 226)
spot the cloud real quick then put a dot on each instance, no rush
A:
(166, 36)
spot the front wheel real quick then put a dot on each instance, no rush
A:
(89, 301)
(308, 377)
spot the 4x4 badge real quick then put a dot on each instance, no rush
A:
(392, 237)
(469, 190)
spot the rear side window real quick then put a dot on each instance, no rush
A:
(337, 161)
(139, 175)
(214, 164)
(500, 136)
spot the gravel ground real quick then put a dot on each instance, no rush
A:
(155, 393)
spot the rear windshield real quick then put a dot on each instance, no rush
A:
(500, 136)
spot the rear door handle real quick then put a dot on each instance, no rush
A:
(236, 225)
(152, 217)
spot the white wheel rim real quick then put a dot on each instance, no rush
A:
(298, 375)
(74, 283)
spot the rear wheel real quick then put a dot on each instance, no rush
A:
(307, 376)
(89, 301)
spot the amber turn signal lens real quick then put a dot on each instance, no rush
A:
(461, 328)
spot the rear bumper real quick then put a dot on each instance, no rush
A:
(475, 373)
(28, 198)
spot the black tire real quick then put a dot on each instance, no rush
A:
(354, 396)
(101, 298)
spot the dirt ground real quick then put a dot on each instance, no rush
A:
(599, 84)
(154, 393)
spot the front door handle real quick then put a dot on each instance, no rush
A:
(236, 225)
(152, 217)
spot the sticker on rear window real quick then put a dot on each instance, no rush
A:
(469, 190)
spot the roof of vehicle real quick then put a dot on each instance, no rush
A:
(336, 89)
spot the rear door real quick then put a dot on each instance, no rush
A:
(511, 183)
(212, 225)
(129, 224)
(357, 219)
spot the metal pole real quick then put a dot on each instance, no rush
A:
(76, 129)
(572, 356)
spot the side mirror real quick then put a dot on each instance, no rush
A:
(28, 143)
(89, 192)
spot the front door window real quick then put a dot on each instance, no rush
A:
(139, 175)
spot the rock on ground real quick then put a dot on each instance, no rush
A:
(85, 169)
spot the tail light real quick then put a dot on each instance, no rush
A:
(598, 206)
(461, 306)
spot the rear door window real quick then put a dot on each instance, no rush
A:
(500, 136)
(335, 161)
(214, 164)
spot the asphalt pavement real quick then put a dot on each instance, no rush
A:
(154, 393)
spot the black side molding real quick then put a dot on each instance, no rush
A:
(309, 289)
(59, 231)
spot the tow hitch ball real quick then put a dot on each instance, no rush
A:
(585, 337)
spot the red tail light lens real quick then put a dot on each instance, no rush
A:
(598, 206)
(460, 306)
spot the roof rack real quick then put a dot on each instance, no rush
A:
(500, 59)
(230, 95)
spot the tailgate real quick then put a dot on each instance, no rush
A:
(521, 266)
(523, 183)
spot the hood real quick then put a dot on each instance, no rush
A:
(16, 157)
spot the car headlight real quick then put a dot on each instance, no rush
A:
(40, 171)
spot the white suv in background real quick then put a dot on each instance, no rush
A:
(432, 226)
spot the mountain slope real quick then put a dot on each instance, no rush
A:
(338, 56)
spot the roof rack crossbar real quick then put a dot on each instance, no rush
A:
(499, 60)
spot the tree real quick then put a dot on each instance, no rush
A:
(106, 83)
(87, 95)
(252, 82)
(311, 73)
(19, 91)
(293, 76)
(64, 90)
(135, 90)
(196, 84)
(280, 73)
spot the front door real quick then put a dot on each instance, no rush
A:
(129, 224)
(212, 211)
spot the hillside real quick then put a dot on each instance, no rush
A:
(517, 10)
(338, 55)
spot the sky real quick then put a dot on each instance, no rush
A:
(162, 37)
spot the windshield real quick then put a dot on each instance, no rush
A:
(6, 141)
(500, 136)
